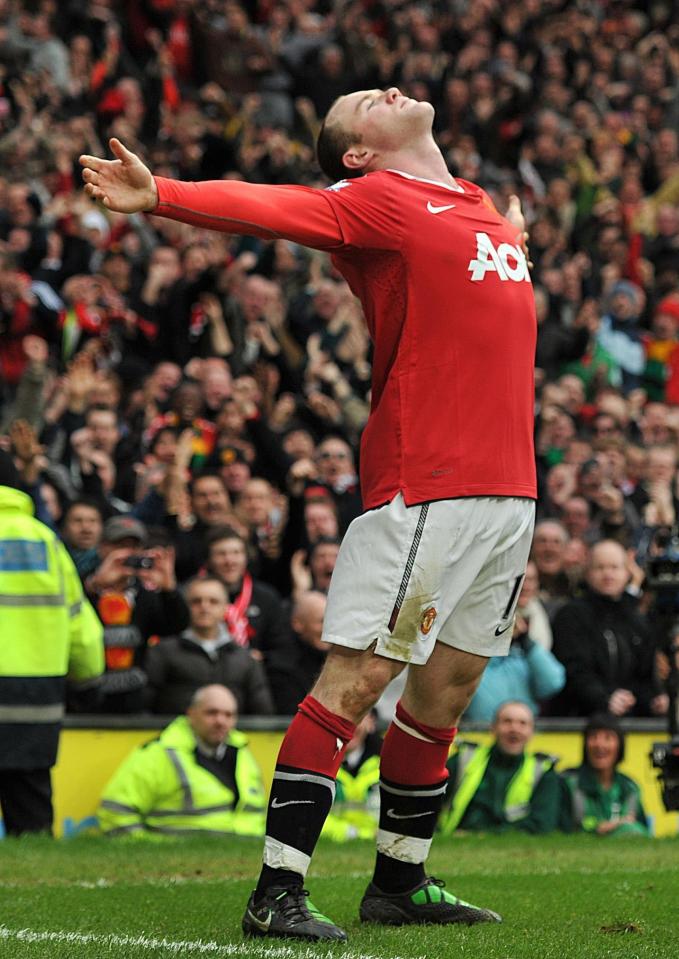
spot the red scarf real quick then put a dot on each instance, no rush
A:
(236, 614)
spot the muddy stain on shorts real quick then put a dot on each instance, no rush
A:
(408, 627)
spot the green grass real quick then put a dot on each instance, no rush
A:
(562, 898)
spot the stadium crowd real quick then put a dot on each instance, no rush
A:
(186, 407)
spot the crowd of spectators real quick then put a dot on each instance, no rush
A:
(186, 407)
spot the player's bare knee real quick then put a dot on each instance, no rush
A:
(351, 683)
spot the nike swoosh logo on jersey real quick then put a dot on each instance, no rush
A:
(262, 924)
(291, 802)
(499, 632)
(439, 209)
(413, 815)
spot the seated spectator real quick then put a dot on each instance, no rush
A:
(599, 798)
(503, 786)
(81, 529)
(355, 811)
(204, 654)
(135, 594)
(606, 644)
(199, 775)
(293, 673)
(529, 673)
(254, 615)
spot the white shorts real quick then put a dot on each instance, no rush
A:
(448, 571)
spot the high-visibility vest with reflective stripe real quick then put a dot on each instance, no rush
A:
(472, 765)
(355, 811)
(160, 788)
(48, 632)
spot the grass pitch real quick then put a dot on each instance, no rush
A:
(562, 897)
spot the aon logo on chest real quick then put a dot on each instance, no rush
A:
(507, 260)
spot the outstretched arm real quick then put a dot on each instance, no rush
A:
(296, 213)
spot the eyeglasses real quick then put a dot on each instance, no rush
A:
(339, 455)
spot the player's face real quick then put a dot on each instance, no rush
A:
(383, 120)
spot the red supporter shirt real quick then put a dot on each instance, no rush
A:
(449, 305)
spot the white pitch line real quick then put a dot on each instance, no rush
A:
(200, 946)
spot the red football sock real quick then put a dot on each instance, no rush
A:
(302, 792)
(414, 754)
(316, 739)
(413, 778)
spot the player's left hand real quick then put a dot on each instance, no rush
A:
(515, 216)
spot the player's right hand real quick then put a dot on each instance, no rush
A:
(123, 185)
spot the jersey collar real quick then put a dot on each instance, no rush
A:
(446, 186)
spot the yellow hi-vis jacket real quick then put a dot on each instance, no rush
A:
(48, 633)
(161, 788)
(472, 765)
(355, 811)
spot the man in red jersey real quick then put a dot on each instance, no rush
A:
(430, 573)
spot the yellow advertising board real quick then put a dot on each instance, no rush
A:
(88, 758)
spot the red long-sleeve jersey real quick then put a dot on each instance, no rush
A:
(449, 305)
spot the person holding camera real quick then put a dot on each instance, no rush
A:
(530, 674)
(134, 592)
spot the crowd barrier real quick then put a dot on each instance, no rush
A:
(91, 748)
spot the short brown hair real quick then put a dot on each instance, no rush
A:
(332, 143)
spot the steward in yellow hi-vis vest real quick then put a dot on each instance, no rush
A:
(198, 776)
(503, 786)
(48, 634)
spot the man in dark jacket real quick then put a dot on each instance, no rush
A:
(205, 654)
(606, 644)
(292, 671)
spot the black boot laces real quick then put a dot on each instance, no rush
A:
(294, 908)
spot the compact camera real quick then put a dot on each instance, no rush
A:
(139, 561)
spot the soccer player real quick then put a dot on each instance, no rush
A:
(430, 573)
